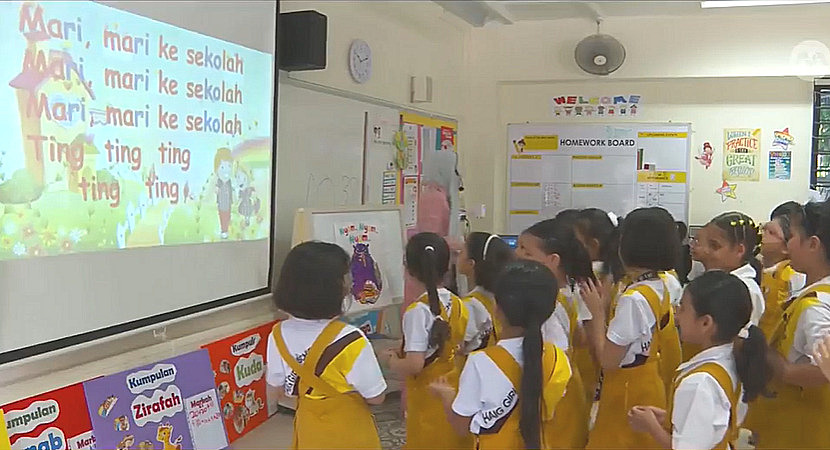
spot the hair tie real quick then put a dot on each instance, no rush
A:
(615, 219)
(487, 246)
(744, 333)
(429, 248)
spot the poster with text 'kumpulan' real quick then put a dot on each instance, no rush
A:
(171, 404)
(53, 420)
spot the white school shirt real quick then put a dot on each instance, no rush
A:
(418, 320)
(675, 288)
(634, 323)
(812, 326)
(480, 317)
(485, 394)
(364, 377)
(701, 412)
(747, 274)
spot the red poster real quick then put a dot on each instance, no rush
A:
(54, 420)
(238, 363)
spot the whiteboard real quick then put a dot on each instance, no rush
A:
(614, 167)
(376, 235)
(320, 155)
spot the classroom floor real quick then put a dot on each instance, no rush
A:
(277, 431)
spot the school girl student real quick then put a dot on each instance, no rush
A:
(779, 282)
(508, 392)
(795, 414)
(640, 345)
(434, 327)
(552, 243)
(328, 365)
(482, 258)
(711, 390)
(729, 242)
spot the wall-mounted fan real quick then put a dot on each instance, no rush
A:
(599, 54)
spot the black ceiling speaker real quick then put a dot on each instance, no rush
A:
(301, 41)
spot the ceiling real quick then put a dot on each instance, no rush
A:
(479, 13)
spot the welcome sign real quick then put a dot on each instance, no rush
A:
(169, 404)
(51, 421)
(238, 363)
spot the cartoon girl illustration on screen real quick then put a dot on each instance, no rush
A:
(366, 278)
(223, 168)
(248, 203)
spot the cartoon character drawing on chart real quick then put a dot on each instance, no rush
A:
(122, 424)
(366, 278)
(223, 168)
(143, 204)
(126, 443)
(248, 203)
(107, 406)
(165, 432)
(706, 157)
(146, 445)
(519, 145)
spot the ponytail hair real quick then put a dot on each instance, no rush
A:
(726, 299)
(523, 294)
(595, 223)
(558, 237)
(490, 254)
(741, 229)
(428, 259)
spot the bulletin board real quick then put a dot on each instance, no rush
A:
(614, 167)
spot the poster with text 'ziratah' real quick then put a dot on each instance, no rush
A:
(120, 131)
(171, 404)
(54, 420)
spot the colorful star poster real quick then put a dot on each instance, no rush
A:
(54, 420)
(727, 191)
(742, 154)
(171, 404)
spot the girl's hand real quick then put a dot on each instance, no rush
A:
(821, 355)
(592, 296)
(642, 419)
(442, 388)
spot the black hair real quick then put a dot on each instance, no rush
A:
(726, 299)
(594, 223)
(814, 220)
(428, 259)
(312, 281)
(684, 261)
(741, 229)
(782, 213)
(523, 294)
(490, 255)
(648, 239)
(569, 216)
(558, 237)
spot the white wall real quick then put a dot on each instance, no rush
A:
(516, 69)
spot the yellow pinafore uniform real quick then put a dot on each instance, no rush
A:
(775, 284)
(424, 429)
(644, 384)
(569, 427)
(490, 306)
(556, 373)
(725, 381)
(326, 417)
(795, 417)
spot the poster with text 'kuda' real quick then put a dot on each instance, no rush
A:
(54, 420)
(171, 404)
(239, 364)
